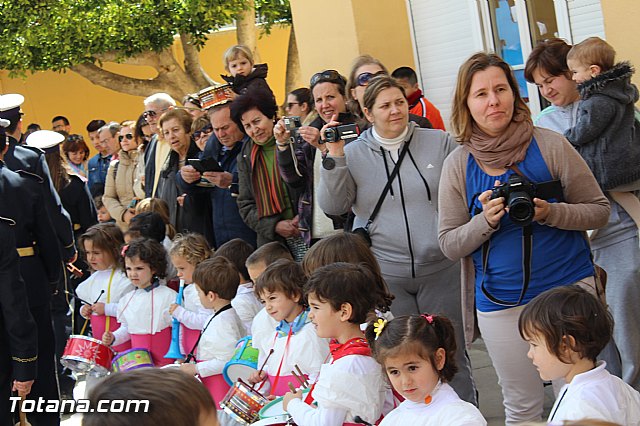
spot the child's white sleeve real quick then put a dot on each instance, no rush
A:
(304, 414)
(192, 320)
(210, 367)
(120, 336)
(111, 309)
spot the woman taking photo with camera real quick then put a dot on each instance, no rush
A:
(500, 275)
(299, 160)
(393, 170)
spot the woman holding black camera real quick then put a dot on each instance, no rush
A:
(264, 200)
(506, 262)
(389, 178)
(298, 161)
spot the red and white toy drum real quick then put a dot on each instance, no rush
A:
(215, 95)
(84, 354)
(243, 404)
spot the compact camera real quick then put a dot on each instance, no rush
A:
(519, 193)
(292, 123)
(345, 132)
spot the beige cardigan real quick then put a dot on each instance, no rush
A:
(119, 186)
(459, 234)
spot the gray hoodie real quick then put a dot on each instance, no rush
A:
(405, 233)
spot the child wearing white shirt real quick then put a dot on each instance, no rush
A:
(350, 387)
(186, 252)
(566, 328)
(216, 280)
(245, 302)
(418, 354)
(108, 283)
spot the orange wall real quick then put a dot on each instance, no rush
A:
(48, 93)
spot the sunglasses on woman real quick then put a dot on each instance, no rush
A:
(206, 130)
(331, 76)
(364, 78)
(128, 136)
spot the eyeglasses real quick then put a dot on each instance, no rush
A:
(152, 113)
(206, 130)
(364, 78)
(331, 76)
(128, 136)
(291, 104)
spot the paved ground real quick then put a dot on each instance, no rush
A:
(486, 381)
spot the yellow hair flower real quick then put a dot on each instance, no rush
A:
(378, 326)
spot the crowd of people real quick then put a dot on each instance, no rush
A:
(352, 241)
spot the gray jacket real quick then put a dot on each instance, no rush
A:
(405, 233)
(607, 135)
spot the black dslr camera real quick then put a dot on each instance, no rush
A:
(292, 124)
(346, 132)
(519, 193)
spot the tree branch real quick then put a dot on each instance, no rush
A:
(148, 58)
(192, 62)
(132, 86)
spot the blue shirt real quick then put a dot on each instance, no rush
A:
(559, 257)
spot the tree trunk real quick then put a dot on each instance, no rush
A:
(192, 65)
(246, 29)
(293, 79)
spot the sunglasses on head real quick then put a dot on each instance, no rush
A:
(331, 76)
(204, 131)
(75, 138)
(364, 78)
(128, 136)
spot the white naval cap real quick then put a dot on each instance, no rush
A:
(45, 139)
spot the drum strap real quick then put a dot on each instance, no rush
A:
(284, 355)
(193, 349)
(108, 320)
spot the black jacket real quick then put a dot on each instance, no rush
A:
(22, 201)
(32, 160)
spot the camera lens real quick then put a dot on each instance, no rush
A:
(521, 210)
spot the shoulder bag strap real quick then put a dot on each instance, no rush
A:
(394, 173)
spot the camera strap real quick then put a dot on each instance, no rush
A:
(527, 246)
(394, 173)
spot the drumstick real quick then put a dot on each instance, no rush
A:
(291, 387)
(263, 364)
(298, 378)
(86, 321)
(23, 415)
(76, 296)
(302, 375)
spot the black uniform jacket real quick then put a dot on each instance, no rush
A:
(40, 262)
(32, 160)
(18, 336)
